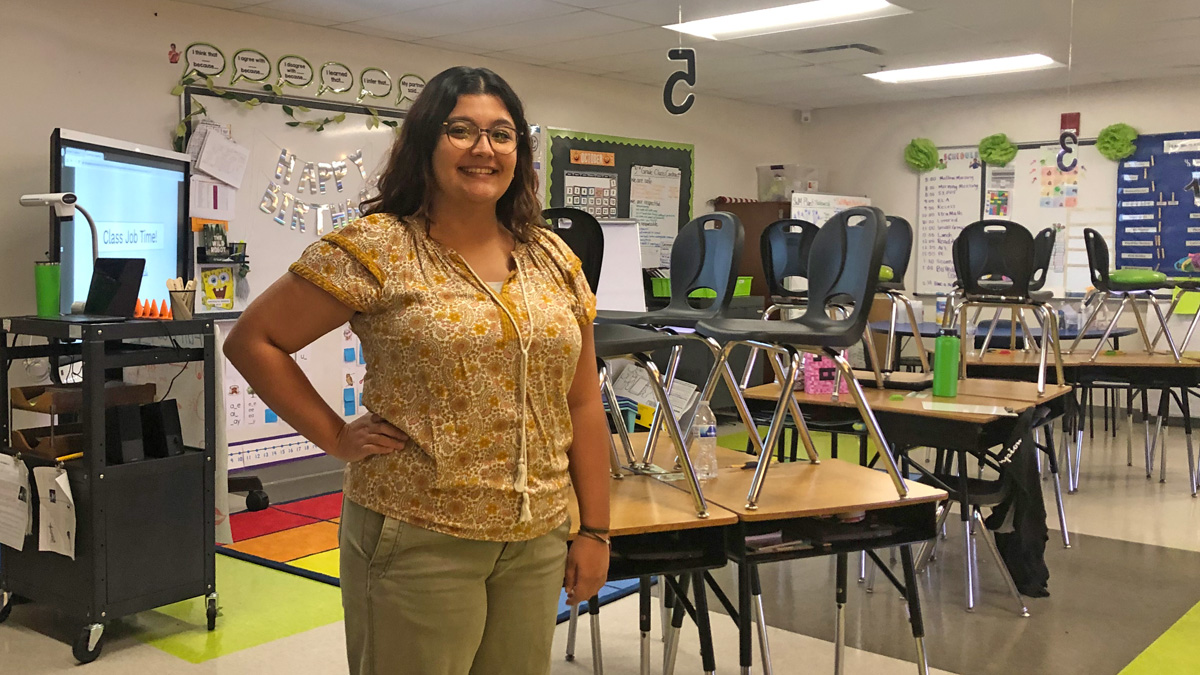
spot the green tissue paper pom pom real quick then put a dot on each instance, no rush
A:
(1116, 141)
(922, 155)
(997, 150)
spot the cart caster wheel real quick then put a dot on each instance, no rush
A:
(257, 500)
(89, 643)
(211, 611)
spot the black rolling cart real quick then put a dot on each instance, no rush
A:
(145, 530)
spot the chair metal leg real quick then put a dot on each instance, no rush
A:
(753, 357)
(928, 547)
(839, 626)
(1129, 425)
(1100, 299)
(915, 617)
(873, 429)
(659, 411)
(1058, 496)
(594, 620)
(644, 612)
(1186, 407)
(871, 571)
(1162, 321)
(872, 356)
(970, 556)
(707, 658)
(764, 644)
(912, 321)
(673, 431)
(572, 628)
(786, 397)
(614, 412)
(1164, 418)
(1137, 315)
(990, 544)
(862, 567)
(796, 413)
(1187, 337)
(671, 649)
(890, 364)
(1113, 324)
(1170, 312)
(987, 339)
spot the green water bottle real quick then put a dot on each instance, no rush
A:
(945, 365)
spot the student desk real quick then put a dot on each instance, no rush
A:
(907, 424)
(792, 513)
(1134, 371)
(655, 531)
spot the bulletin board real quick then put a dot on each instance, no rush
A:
(1039, 195)
(1158, 205)
(265, 214)
(612, 177)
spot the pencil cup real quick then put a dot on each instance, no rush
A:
(46, 280)
(183, 303)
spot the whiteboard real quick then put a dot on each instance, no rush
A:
(817, 208)
(1042, 196)
(255, 435)
(948, 199)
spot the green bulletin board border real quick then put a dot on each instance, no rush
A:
(552, 134)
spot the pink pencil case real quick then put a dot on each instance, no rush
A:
(819, 372)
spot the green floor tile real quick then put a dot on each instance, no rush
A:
(257, 605)
(1175, 652)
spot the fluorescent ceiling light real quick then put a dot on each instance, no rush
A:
(948, 71)
(790, 17)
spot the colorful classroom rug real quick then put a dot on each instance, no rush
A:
(301, 537)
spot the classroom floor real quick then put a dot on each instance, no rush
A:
(1124, 600)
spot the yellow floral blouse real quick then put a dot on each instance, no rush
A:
(444, 365)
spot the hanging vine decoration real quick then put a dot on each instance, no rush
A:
(314, 124)
(374, 121)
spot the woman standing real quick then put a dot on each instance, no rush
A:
(476, 327)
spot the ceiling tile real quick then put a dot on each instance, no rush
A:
(652, 62)
(224, 4)
(664, 12)
(639, 39)
(328, 13)
(561, 28)
(591, 4)
(463, 16)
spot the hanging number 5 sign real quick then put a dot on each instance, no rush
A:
(687, 76)
(1067, 142)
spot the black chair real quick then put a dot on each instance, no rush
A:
(897, 252)
(950, 473)
(583, 234)
(843, 277)
(1043, 251)
(994, 266)
(784, 247)
(1110, 286)
(703, 256)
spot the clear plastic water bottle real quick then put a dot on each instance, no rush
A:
(704, 442)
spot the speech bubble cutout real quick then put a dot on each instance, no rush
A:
(411, 87)
(335, 77)
(294, 71)
(375, 83)
(203, 59)
(250, 64)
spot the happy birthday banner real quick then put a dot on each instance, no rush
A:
(314, 181)
(207, 61)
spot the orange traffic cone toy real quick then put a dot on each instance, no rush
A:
(139, 310)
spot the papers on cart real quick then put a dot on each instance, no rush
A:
(16, 507)
(56, 511)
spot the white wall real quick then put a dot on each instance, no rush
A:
(863, 146)
(101, 67)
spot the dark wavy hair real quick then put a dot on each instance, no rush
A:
(406, 186)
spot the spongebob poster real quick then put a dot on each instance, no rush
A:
(218, 286)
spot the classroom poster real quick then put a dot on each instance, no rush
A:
(654, 204)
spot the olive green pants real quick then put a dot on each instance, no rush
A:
(419, 602)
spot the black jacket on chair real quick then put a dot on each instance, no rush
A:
(1019, 522)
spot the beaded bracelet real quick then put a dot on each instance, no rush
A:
(593, 535)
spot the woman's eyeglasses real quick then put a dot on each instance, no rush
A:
(463, 134)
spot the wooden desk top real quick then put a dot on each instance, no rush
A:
(642, 504)
(1015, 395)
(1081, 357)
(801, 489)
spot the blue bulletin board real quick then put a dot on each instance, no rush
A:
(1158, 205)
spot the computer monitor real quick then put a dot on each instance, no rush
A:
(137, 195)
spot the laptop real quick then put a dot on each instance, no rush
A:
(113, 293)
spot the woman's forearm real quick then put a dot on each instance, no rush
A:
(589, 465)
(284, 387)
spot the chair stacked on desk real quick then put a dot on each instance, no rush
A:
(994, 265)
(716, 252)
(897, 252)
(1127, 286)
